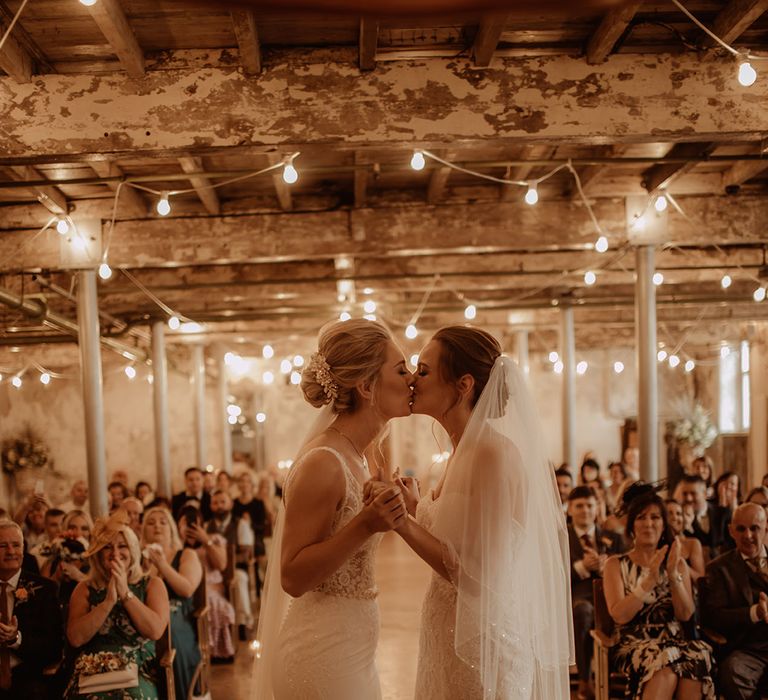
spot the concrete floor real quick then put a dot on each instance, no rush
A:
(402, 579)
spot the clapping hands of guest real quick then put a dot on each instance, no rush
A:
(593, 560)
(762, 607)
(9, 632)
(120, 577)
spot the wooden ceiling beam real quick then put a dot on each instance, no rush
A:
(438, 180)
(247, 35)
(735, 18)
(612, 26)
(361, 180)
(14, 58)
(130, 203)
(203, 189)
(739, 173)
(50, 197)
(369, 38)
(662, 175)
(487, 38)
(111, 20)
(591, 175)
(282, 188)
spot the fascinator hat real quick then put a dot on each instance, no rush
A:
(105, 532)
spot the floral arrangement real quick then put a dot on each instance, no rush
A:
(100, 662)
(24, 451)
(695, 427)
(68, 547)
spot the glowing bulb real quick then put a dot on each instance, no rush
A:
(290, 174)
(470, 312)
(411, 332)
(261, 417)
(725, 351)
(747, 74)
(674, 361)
(368, 290)
(268, 377)
(45, 378)
(150, 379)
(726, 281)
(661, 203)
(16, 381)
(601, 245)
(62, 226)
(689, 366)
(369, 317)
(286, 366)
(581, 368)
(618, 367)
(88, 3)
(163, 205)
(79, 244)
(345, 316)
(105, 271)
(130, 372)
(532, 195)
(229, 358)
(414, 360)
(174, 323)
(267, 352)
(298, 361)
(661, 355)
(558, 367)
(553, 357)
(369, 307)
(295, 377)
(232, 420)
(417, 160)
(234, 410)
(590, 278)
(759, 294)
(658, 278)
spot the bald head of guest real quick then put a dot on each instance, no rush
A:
(79, 493)
(748, 528)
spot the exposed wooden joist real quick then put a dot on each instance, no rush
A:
(369, 37)
(487, 38)
(14, 58)
(203, 189)
(591, 175)
(518, 101)
(247, 35)
(361, 180)
(282, 189)
(739, 173)
(439, 179)
(660, 176)
(130, 203)
(612, 26)
(50, 197)
(735, 18)
(521, 172)
(111, 19)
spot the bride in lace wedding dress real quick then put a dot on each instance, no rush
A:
(496, 619)
(319, 623)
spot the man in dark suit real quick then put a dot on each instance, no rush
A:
(31, 634)
(707, 524)
(194, 493)
(736, 605)
(590, 547)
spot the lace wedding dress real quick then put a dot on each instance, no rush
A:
(326, 647)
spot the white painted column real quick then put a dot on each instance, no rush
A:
(521, 344)
(221, 409)
(568, 358)
(647, 369)
(198, 374)
(160, 397)
(93, 396)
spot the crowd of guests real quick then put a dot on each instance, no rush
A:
(83, 604)
(684, 579)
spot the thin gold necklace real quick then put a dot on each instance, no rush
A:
(349, 440)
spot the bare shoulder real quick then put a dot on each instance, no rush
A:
(317, 471)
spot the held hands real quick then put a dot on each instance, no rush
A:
(386, 510)
(409, 487)
(8, 632)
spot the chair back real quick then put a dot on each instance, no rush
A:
(229, 570)
(201, 678)
(603, 620)
(165, 653)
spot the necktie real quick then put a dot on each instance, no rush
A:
(759, 565)
(586, 541)
(5, 654)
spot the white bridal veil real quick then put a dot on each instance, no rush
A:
(500, 518)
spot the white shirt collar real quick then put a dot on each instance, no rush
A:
(13, 582)
(763, 553)
(580, 532)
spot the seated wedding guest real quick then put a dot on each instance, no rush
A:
(237, 533)
(704, 467)
(618, 474)
(758, 495)
(736, 605)
(690, 547)
(118, 492)
(589, 548)
(66, 564)
(631, 461)
(589, 472)
(564, 484)
(267, 494)
(649, 596)
(727, 496)
(135, 509)
(52, 522)
(144, 492)
(180, 569)
(209, 479)
(31, 632)
(31, 516)
(122, 476)
(115, 617)
(80, 522)
(212, 551)
(706, 525)
(78, 497)
(194, 492)
(248, 506)
(223, 482)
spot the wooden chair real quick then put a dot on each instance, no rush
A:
(607, 682)
(165, 655)
(230, 589)
(201, 678)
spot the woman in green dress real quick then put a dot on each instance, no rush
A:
(116, 615)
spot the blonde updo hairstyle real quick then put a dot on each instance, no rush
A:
(355, 351)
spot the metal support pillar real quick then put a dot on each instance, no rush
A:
(568, 358)
(521, 343)
(647, 371)
(160, 396)
(221, 410)
(201, 446)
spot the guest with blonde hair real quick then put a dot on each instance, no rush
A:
(117, 613)
(80, 522)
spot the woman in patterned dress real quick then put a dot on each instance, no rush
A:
(118, 609)
(649, 596)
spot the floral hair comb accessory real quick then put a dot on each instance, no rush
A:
(319, 366)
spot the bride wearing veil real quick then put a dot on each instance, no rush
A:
(496, 619)
(319, 623)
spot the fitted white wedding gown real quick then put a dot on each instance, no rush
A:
(326, 647)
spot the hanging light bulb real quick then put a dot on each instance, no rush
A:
(689, 366)
(590, 278)
(163, 205)
(618, 367)
(661, 355)
(234, 410)
(582, 367)
(759, 294)
(295, 377)
(88, 3)
(661, 203)
(417, 160)
(298, 361)
(344, 316)
(532, 195)
(414, 360)
(45, 378)
(553, 357)
(286, 366)
(747, 74)
(17, 382)
(411, 331)
(674, 361)
(261, 417)
(726, 281)
(174, 323)
(724, 351)
(105, 271)
(232, 420)
(267, 352)
(601, 245)
(558, 367)
(658, 279)
(290, 174)
(62, 226)
(130, 372)
(470, 312)
(268, 377)
(369, 307)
